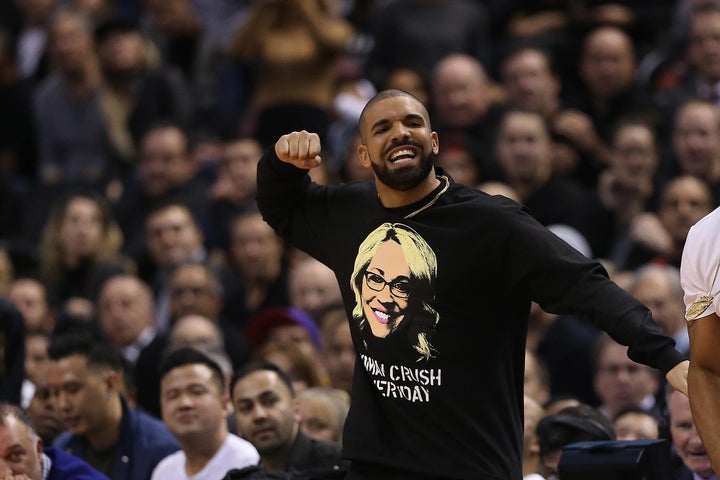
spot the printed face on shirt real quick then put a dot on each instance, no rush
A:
(385, 289)
(393, 281)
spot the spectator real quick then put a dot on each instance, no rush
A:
(36, 364)
(30, 297)
(415, 34)
(24, 457)
(301, 366)
(292, 47)
(322, 413)
(45, 417)
(195, 405)
(338, 351)
(85, 382)
(660, 237)
(137, 90)
(658, 288)
(634, 423)
(71, 133)
(267, 416)
(620, 382)
(573, 424)
(196, 289)
(686, 440)
(284, 325)
(80, 249)
(234, 190)
(312, 286)
(696, 142)
(166, 174)
(463, 104)
(173, 237)
(258, 276)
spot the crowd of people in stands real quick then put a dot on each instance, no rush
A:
(153, 325)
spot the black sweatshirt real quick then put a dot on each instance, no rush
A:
(458, 413)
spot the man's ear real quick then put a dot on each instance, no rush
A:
(363, 155)
(435, 143)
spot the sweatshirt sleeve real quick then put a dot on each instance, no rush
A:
(561, 280)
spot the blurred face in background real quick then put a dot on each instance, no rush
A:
(81, 228)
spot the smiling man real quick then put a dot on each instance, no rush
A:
(267, 415)
(458, 300)
(195, 406)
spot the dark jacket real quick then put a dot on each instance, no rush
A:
(144, 441)
(308, 459)
(69, 467)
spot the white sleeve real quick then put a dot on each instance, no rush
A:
(700, 260)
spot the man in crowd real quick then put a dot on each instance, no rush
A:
(195, 406)
(86, 384)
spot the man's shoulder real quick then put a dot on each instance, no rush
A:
(69, 466)
(150, 431)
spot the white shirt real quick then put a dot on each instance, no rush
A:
(233, 453)
(700, 260)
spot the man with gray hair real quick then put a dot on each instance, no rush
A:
(22, 455)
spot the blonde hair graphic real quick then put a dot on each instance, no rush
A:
(422, 263)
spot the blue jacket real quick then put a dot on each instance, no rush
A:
(69, 467)
(144, 441)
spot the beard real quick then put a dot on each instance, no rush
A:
(405, 178)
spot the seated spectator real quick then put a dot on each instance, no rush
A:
(338, 351)
(293, 48)
(85, 382)
(619, 382)
(284, 325)
(36, 363)
(660, 237)
(234, 189)
(302, 367)
(45, 416)
(165, 174)
(30, 297)
(138, 90)
(322, 413)
(686, 441)
(195, 288)
(267, 416)
(257, 268)
(195, 405)
(312, 286)
(573, 424)
(80, 249)
(23, 456)
(634, 423)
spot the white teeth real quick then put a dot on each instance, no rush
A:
(401, 153)
(382, 315)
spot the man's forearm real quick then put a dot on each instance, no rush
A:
(704, 386)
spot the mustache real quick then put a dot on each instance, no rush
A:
(407, 141)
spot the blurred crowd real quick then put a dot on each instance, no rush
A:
(130, 132)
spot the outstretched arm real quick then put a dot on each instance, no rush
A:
(704, 383)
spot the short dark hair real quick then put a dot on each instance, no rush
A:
(12, 410)
(393, 92)
(96, 351)
(259, 366)
(581, 423)
(190, 356)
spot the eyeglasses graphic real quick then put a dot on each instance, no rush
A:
(399, 288)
